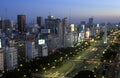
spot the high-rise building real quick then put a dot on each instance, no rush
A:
(11, 61)
(52, 24)
(31, 49)
(72, 27)
(105, 34)
(83, 25)
(90, 23)
(1, 60)
(65, 27)
(65, 24)
(8, 23)
(91, 20)
(49, 22)
(40, 21)
(91, 26)
(42, 48)
(2, 26)
(57, 26)
(21, 20)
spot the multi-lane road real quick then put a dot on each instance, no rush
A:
(71, 67)
(86, 59)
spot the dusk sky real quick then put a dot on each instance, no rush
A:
(77, 10)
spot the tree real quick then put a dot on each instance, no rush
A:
(85, 74)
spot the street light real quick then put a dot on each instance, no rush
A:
(36, 70)
(24, 76)
(44, 68)
(95, 76)
(55, 60)
(61, 58)
(104, 61)
(66, 55)
(21, 65)
(48, 64)
(103, 77)
(103, 52)
(18, 69)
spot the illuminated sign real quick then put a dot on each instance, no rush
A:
(41, 42)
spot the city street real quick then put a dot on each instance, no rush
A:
(85, 60)
(74, 65)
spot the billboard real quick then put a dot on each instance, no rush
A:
(41, 42)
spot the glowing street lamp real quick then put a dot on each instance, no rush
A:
(55, 60)
(21, 65)
(24, 76)
(44, 68)
(66, 55)
(18, 69)
(103, 52)
(36, 70)
(48, 64)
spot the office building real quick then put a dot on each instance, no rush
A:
(11, 60)
(87, 33)
(8, 26)
(52, 24)
(40, 21)
(65, 23)
(65, 28)
(21, 21)
(31, 49)
(90, 21)
(8, 23)
(42, 49)
(2, 25)
(1, 60)
(105, 34)
(91, 27)
(49, 22)
(72, 28)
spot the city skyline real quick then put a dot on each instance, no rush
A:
(75, 10)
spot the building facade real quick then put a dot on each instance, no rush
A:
(11, 60)
(65, 28)
(39, 21)
(1, 60)
(21, 21)
(31, 49)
